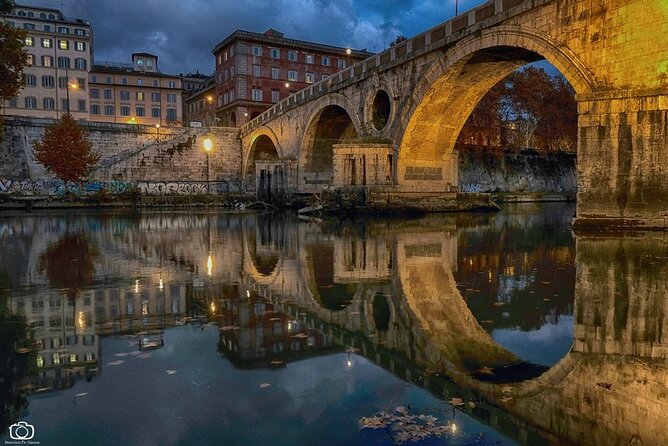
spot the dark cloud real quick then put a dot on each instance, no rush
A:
(183, 33)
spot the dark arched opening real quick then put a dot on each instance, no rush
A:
(380, 110)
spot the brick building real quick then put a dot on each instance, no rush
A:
(136, 93)
(59, 56)
(254, 71)
(200, 105)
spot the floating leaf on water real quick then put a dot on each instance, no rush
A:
(81, 394)
(499, 304)
(228, 328)
(264, 385)
(471, 404)
(121, 355)
(456, 401)
(171, 372)
(119, 362)
(486, 371)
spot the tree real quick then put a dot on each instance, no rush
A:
(70, 263)
(13, 56)
(66, 151)
(397, 40)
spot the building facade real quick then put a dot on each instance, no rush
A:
(256, 70)
(200, 106)
(136, 93)
(59, 58)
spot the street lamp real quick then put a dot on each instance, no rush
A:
(73, 86)
(209, 100)
(208, 146)
(157, 130)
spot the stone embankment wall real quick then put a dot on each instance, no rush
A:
(167, 161)
(526, 172)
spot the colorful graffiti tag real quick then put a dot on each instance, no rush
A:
(59, 187)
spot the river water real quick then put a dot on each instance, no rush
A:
(184, 328)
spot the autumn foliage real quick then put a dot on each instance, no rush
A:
(66, 151)
(529, 108)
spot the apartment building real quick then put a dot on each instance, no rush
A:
(256, 70)
(135, 93)
(59, 57)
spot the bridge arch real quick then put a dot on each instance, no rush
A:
(332, 119)
(450, 89)
(264, 146)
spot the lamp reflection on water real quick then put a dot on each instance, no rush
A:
(209, 265)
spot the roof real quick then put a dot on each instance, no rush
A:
(106, 69)
(144, 54)
(270, 38)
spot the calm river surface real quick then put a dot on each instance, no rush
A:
(180, 328)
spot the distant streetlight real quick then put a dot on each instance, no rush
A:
(209, 100)
(73, 86)
(348, 51)
(157, 130)
(208, 146)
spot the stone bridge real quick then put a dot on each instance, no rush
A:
(391, 295)
(392, 120)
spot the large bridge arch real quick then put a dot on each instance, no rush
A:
(449, 90)
(263, 145)
(331, 119)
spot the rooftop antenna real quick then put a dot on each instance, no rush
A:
(62, 6)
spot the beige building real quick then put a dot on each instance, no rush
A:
(59, 58)
(136, 93)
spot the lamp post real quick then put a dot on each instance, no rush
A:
(209, 101)
(208, 145)
(73, 86)
(157, 131)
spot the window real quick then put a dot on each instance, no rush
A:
(94, 93)
(275, 53)
(42, 15)
(48, 103)
(62, 82)
(13, 103)
(139, 111)
(309, 78)
(232, 71)
(93, 78)
(325, 61)
(125, 95)
(257, 71)
(139, 96)
(140, 81)
(81, 82)
(292, 75)
(94, 108)
(30, 41)
(65, 104)
(63, 30)
(108, 94)
(124, 80)
(149, 63)
(156, 83)
(171, 97)
(81, 105)
(275, 73)
(275, 96)
(325, 76)
(341, 63)
(47, 61)
(257, 50)
(155, 112)
(52, 17)
(309, 58)
(29, 26)
(232, 95)
(140, 62)
(30, 59)
(155, 97)
(64, 44)
(80, 64)
(80, 46)
(171, 84)
(125, 110)
(31, 14)
(48, 81)
(80, 32)
(63, 62)
(171, 114)
(292, 56)
(257, 94)
(109, 110)
(46, 42)
(108, 79)
(31, 80)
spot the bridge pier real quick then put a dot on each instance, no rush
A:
(623, 159)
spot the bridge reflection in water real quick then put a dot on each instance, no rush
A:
(424, 299)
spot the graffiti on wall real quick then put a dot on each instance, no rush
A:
(59, 187)
(471, 187)
(187, 187)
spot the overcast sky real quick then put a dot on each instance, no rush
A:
(183, 32)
